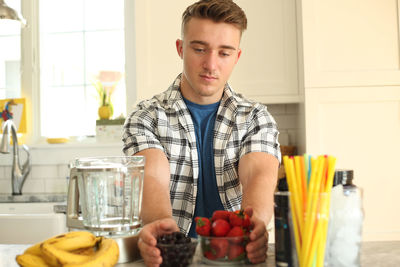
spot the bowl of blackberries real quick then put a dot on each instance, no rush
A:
(223, 237)
(176, 249)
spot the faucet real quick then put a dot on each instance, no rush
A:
(18, 174)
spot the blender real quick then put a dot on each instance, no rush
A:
(105, 197)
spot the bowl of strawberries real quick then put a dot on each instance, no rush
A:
(223, 237)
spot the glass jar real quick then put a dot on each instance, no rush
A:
(345, 222)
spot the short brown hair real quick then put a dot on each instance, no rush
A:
(225, 11)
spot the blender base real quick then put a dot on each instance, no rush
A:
(127, 244)
(128, 247)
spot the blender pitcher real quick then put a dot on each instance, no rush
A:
(108, 191)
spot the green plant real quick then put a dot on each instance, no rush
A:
(105, 84)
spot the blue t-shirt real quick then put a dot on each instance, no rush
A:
(207, 200)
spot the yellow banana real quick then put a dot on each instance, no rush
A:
(29, 260)
(106, 256)
(58, 257)
(34, 250)
(73, 240)
(68, 241)
(85, 251)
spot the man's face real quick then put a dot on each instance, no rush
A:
(209, 51)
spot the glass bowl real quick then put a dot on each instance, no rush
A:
(223, 250)
(178, 253)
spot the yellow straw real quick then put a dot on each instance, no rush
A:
(320, 219)
(303, 182)
(322, 241)
(315, 241)
(328, 189)
(331, 174)
(299, 185)
(315, 184)
(295, 217)
(297, 202)
(313, 162)
(295, 228)
(305, 235)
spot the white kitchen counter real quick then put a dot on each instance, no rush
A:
(385, 253)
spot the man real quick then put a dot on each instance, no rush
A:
(206, 147)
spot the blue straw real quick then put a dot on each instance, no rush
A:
(309, 169)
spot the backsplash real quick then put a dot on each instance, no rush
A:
(52, 178)
(286, 116)
(42, 179)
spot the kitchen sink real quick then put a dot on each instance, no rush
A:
(23, 222)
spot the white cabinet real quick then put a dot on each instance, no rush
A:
(266, 71)
(352, 96)
(351, 42)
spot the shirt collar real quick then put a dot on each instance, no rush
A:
(175, 99)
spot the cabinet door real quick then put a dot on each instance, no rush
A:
(157, 27)
(360, 126)
(351, 43)
(266, 71)
(352, 96)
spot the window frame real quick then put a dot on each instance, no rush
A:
(30, 66)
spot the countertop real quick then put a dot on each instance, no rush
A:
(383, 253)
(33, 198)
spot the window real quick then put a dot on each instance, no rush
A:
(78, 40)
(66, 46)
(10, 55)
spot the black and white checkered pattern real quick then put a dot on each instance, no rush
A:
(164, 122)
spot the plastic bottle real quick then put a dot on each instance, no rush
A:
(345, 222)
(285, 254)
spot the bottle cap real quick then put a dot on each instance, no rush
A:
(343, 177)
(282, 184)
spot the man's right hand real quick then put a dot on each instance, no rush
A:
(148, 239)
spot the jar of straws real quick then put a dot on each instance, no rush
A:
(310, 182)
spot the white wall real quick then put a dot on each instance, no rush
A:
(50, 165)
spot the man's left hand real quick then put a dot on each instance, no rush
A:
(257, 247)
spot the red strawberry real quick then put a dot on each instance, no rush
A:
(239, 218)
(236, 252)
(246, 222)
(220, 228)
(220, 214)
(209, 255)
(220, 247)
(237, 232)
(203, 226)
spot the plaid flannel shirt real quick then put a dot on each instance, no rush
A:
(164, 122)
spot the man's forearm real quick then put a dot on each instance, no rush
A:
(259, 196)
(258, 175)
(156, 202)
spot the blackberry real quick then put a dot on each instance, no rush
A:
(176, 249)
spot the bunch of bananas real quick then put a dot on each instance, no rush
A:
(71, 249)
